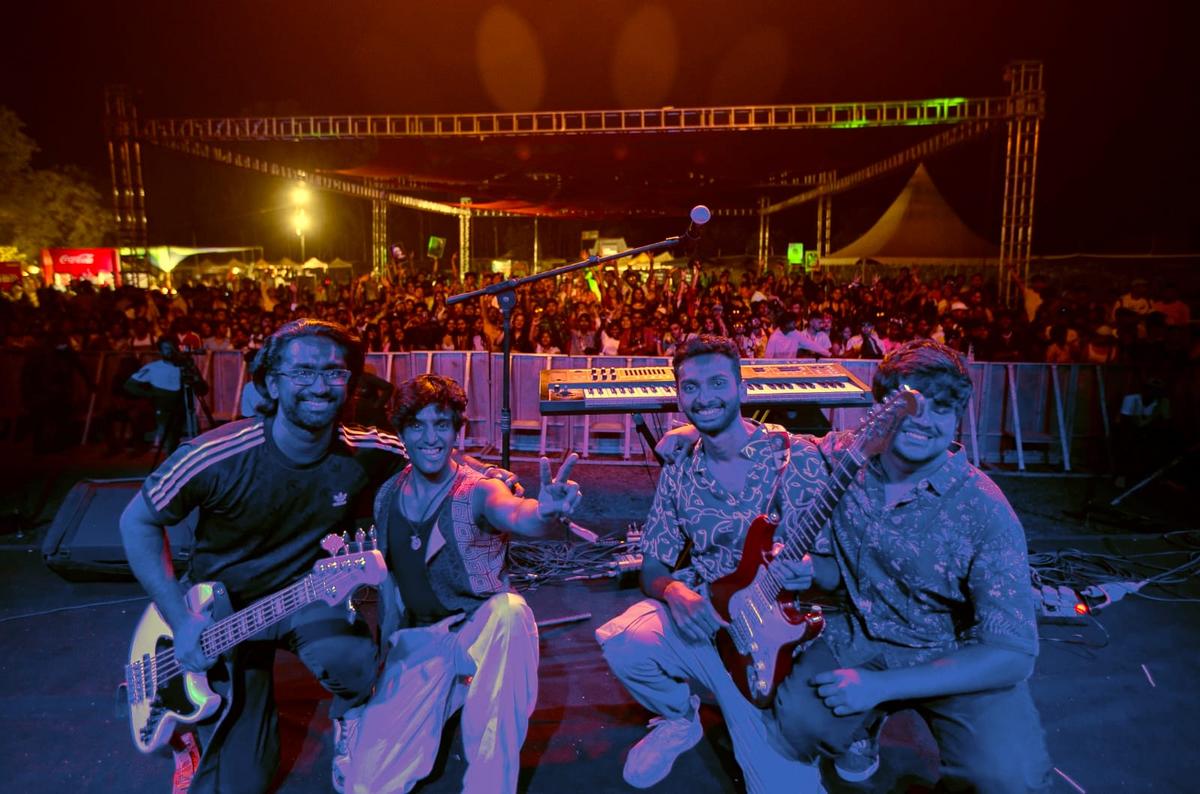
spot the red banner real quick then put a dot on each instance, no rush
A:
(89, 263)
(10, 273)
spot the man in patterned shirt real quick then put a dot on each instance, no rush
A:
(938, 616)
(939, 613)
(737, 471)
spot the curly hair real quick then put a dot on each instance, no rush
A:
(414, 394)
(270, 355)
(707, 344)
(933, 369)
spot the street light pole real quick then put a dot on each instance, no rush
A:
(300, 197)
(300, 221)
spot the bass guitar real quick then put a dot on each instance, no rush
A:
(766, 622)
(162, 695)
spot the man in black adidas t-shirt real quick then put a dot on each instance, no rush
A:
(267, 490)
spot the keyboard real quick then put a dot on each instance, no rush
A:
(652, 389)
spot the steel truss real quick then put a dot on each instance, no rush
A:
(379, 235)
(1020, 173)
(1021, 110)
(847, 115)
(125, 169)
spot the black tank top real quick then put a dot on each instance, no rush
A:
(421, 604)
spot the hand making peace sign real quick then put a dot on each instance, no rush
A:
(558, 497)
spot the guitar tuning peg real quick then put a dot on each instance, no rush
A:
(360, 539)
(346, 541)
(374, 537)
(332, 543)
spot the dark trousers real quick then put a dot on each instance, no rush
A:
(990, 742)
(241, 747)
(169, 419)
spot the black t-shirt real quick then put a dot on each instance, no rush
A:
(261, 516)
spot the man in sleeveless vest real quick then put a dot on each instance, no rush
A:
(457, 636)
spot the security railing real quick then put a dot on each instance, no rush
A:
(1062, 417)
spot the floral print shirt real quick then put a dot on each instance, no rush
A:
(945, 566)
(690, 505)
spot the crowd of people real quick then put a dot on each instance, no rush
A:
(646, 313)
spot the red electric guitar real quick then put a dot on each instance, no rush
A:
(765, 621)
(161, 695)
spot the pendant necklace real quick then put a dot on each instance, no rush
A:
(414, 538)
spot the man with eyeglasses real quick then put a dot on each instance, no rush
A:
(266, 489)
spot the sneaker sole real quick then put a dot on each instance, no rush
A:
(855, 775)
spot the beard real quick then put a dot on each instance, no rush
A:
(308, 417)
(712, 419)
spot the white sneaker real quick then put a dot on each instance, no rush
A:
(861, 759)
(651, 759)
(344, 731)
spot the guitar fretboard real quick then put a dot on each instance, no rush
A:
(228, 632)
(801, 533)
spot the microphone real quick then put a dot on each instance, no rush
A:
(699, 216)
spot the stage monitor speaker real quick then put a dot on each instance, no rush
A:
(84, 541)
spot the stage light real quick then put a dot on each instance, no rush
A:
(301, 194)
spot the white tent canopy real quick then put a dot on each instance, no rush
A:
(919, 228)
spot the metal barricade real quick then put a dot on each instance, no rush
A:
(1060, 417)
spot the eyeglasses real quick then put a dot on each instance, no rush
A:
(307, 377)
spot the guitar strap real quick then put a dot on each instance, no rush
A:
(784, 458)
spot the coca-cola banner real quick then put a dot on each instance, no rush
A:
(101, 265)
(10, 273)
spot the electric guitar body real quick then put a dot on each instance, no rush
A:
(759, 659)
(162, 696)
(766, 622)
(178, 700)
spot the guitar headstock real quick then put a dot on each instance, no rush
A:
(335, 544)
(881, 423)
(359, 564)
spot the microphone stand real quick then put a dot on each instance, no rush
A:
(506, 295)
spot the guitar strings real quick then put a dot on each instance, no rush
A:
(809, 528)
(232, 630)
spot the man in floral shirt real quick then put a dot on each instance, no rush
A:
(738, 470)
(939, 612)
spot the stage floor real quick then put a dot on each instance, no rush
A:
(1118, 702)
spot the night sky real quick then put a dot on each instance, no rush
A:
(1117, 172)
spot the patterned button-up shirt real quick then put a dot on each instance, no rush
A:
(691, 505)
(945, 566)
